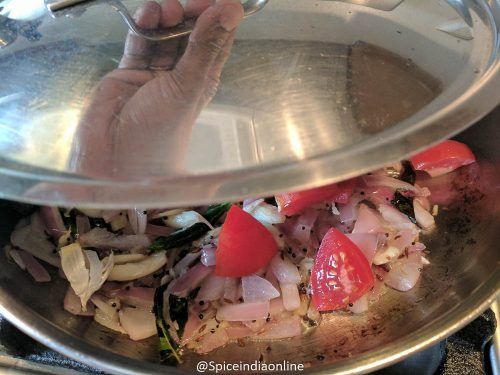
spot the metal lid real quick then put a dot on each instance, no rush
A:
(313, 92)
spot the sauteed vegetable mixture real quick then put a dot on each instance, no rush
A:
(262, 269)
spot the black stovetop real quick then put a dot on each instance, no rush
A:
(466, 352)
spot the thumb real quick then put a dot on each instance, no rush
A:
(213, 29)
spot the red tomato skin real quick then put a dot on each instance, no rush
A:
(293, 203)
(443, 158)
(341, 273)
(245, 245)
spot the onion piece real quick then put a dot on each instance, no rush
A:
(395, 218)
(404, 272)
(73, 305)
(158, 230)
(186, 219)
(185, 263)
(389, 182)
(243, 311)
(366, 242)
(82, 224)
(208, 255)
(238, 331)
(285, 271)
(140, 297)
(139, 324)
(256, 288)
(348, 212)
(53, 221)
(281, 329)
(212, 289)
(255, 325)
(101, 238)
(368, 221)
(190, 280)
(109, 321)
(14, 255)
(424, 219)
(291, 298)
(360, 306)
(128, 258)
(386, 255)
(264, 212)
(32, 239)
(231, 289)
(136, 270)
(85, 281)
(138, 220)
(35, 269)
(276, 306)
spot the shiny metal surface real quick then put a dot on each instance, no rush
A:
(461, 282)
(300, 103)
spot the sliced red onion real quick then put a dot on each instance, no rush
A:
(35, 269)
(360, 306)
(424, 219)
(348, 212)
(196, 327)
(138, 323)
(377, 291)
(231, 289)
(290, 295)
(53, 221)
(101, 238)
(366, 242)
(158, 230)
(238, 331)
(212, 341)
(190, 280)
(185, 219)
(138, 220)
(395, 218)
(82, 224)
(241, 312)
(186, 262)
(285, 271)
(140, 297)
(212, 289)
(368, 221)
(281, 329)
(405, 272)
(379, 195)
(276, 306)
(403, 238)
(255, 325)
(32, 239)
(73, 304)
(418, 247)
(14, 254)
(256, 288)
(389, 182)
(208, 255)
(424, 202)
(387, 254)
(299, 227)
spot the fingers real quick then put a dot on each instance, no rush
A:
(138, 52)
(166, 53)
(172, 13)
(208, 45)
(194, 8)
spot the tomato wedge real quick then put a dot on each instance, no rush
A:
(294, 203)
(341, 273)
(443, 158)
(245, 245)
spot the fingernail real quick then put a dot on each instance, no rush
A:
(230, 15)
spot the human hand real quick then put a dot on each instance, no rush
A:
(148, 105)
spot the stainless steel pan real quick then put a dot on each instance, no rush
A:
(462, 281)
